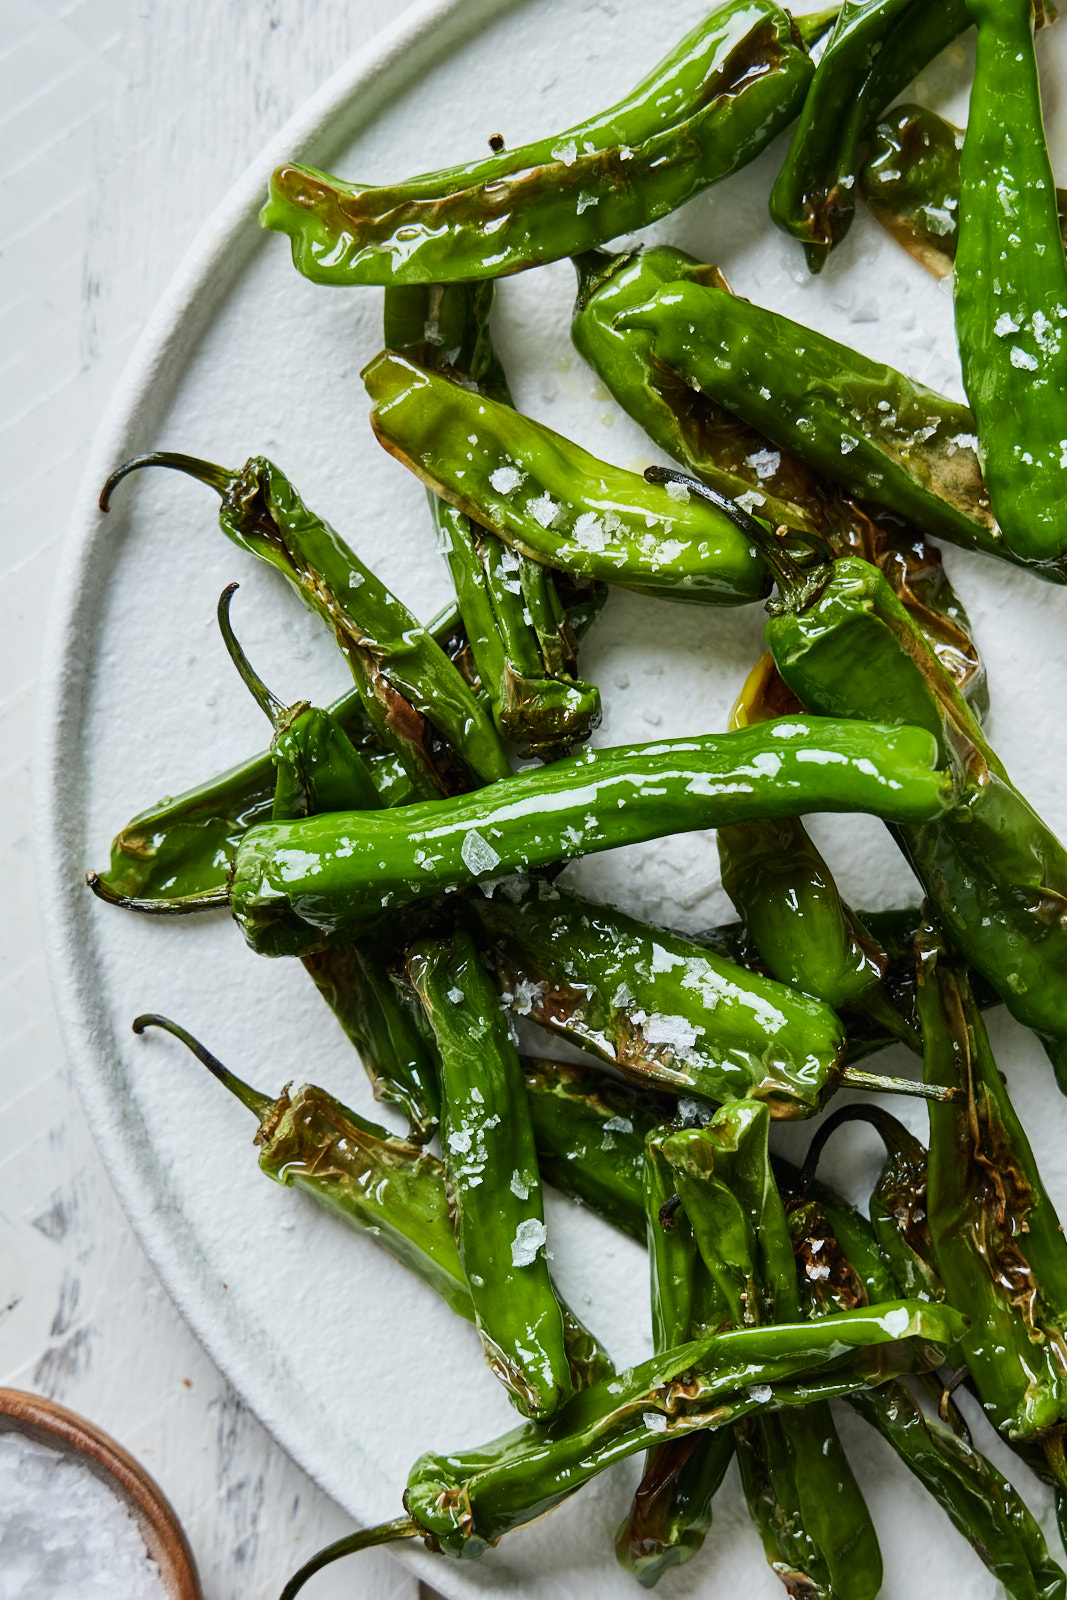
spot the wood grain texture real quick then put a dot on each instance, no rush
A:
(124, 122)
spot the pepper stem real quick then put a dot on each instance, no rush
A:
(178, 905)
(853, 1078)
(365, 1539)
(815, 25)
(798, 586)
(268, 703)
(891, 1132)
(217, 478)
(260, 1105)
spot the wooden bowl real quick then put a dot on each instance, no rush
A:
(53, 1425)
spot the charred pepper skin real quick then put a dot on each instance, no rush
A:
(997, 1242)
(413, 696)
(299, 886)
(741, 462)
(551, 500)
(1011, 286)
(494, 1184)
(524, 649)
(886, 439)
(911, 182)
(706, 110)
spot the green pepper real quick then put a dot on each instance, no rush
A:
(998, 1245)
(412, 695)
(553, 501)
(911, 182)
(298, 886)
(741, 462)
(523, 647)
(590, 1133)
(461, 1504)
(383, 1186)
(876, 47)
(1011, 286)
(880, 435)
(671, 1511)
(707, 109)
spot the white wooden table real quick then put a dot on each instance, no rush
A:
(122, 123)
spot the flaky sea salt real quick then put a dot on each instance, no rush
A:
(529, 1238)
(63, 1534)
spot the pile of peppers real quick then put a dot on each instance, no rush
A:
(406, 842)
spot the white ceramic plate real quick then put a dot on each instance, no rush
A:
(351, 1363)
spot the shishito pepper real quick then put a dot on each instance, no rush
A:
(383, 1186)
(708, 108)
(463, 1503)
(911, 182)
(886, 439)
(1011, 286)
(553, 501)
(997, 1242)
(298, 886)
(523, 647)
(741, 462)
(876, 47)
(413, 696)
(802, 1495)
(494, 1184)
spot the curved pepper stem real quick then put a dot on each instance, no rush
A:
(271, 707)
(261, 1105)
(365, 1539)
(217, 478)
(892, 1133)
(799, 586)
(177, 906)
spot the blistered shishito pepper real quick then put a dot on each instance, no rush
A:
(671, 1511)
(708, 108)
(1011, 286)
(982, 1505)
(523, 647)
(741, 462)
(590, 1132)
(413, 696)
(383, 1186)
(804, 932)
(463, 1503)
(997, 1242)
(299, 886)
(494, 1184)
(801, 1493)
(867, 427)
(662, 1009)
(911, 181)
(552, 500)
(876, 47)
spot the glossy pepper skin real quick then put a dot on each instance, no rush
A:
(299, 886)
(552, 501)
(1011, 285)
(982, 1505)
(707, 109)
(375, 1182)
(911, 182)
(413, 696)
(883, 437)
(876, 47)
(494, 1184)
(815, 1526)
(524, 649)
(658, 1007)
(997, 1242)
(741, 462)
(996, 874)
(671, 1511)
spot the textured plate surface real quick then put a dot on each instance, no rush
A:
(353, 1365)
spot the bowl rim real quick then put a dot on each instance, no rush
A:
(54, 1425)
